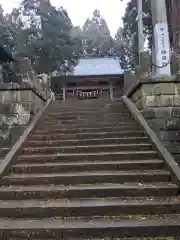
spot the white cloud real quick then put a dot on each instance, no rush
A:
(79, 10)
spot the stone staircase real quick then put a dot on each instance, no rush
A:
(88, 171)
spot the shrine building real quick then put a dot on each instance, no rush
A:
(93, 77)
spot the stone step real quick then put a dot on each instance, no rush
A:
(102, 103)
(88, 107)
(95, 107)
(88, 207)
(103, 190)
(93, 102)
(82, 135)
(107, 238)
(87, 166)
(87, 177)
(88, 171)
(75, 115)
(81, 142)
(86, 130)
(162, 225)
(71, 124)
(87, 111)
(79, 105)
(102, 156)
(87, 148)
(87, 101)
(89, 121)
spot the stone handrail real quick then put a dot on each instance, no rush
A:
(169, 160)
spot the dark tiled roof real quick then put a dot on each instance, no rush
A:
(98, 66)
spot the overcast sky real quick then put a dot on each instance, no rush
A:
(79, 10)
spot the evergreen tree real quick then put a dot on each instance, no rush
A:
(77, 36)
(96, 34)
(43, 36)
(130, 22)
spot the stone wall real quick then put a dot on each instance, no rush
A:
(18, 105)
(159, 102)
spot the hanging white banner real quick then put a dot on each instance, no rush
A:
(162, 47)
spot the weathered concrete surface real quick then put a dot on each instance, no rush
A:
(159, 102)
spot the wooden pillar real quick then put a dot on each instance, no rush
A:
(64, 92)
(111, 91)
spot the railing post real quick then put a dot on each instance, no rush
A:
(111, 91)
(64, 92)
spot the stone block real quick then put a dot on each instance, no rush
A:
(164, 89)
(157, 112)
(148, 113)
(165, 100)
(157, 124)
(155, 101)
(159, 89)
(173, 124)
(176, 100)
(158, 101)
(177, 85)
(147, 90)
(26, 96)
(163, 112)
(7, 108)
(175, 112)
(173, 147)
(4, 152)
(1, 96)
(10, 135)
(169, 135)
(11, 96)
(149, 101)
(8, 119)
